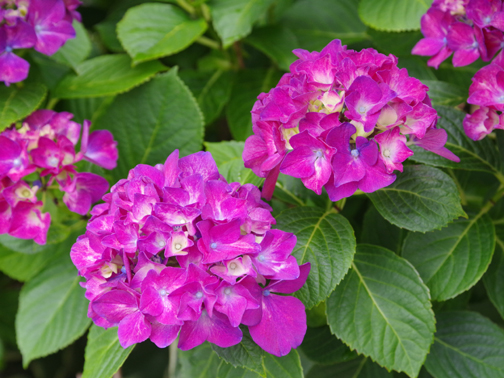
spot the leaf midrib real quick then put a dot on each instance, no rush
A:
(361, 279)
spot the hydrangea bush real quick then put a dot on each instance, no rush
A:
(298, 188)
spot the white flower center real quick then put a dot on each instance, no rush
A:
(162, 292)
(227, 290)
(386, 152)
(199, 295)
(178, 246)
(355, 153)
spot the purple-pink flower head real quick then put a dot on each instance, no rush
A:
(45, 146)
(42, 24)
(486, 94)
(175, 250)
(342, 120)
(467, 28)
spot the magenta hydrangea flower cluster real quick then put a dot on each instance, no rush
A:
(343, 120)
(176, 250)
(487, 94)
(467, 28)
(44, 25)
(40, 152)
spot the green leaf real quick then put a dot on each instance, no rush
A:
(107, 31)
(247, 86)
(104, 355)
(104, 76)
(228, 157)
(211, 89)
(494, 278)
(399, 44)
(320, 346)
(27, 246)
(233, 19)
(383, 310)
(453, 259)
(475, 156)
(151, 121)
(229, 371)
(378, 231)
(52, 311)
(421, 199)
(288, 366)
(317, 25)
(199, 362)
(150, 31)
(357, 368)
(466, 345)
(45, 70)
(247, 354)
(89, 108)
(393, 15)
(19, 102)
(442, 93)
(277, 42)
(22, 267)
(75, 50)
(327, 241)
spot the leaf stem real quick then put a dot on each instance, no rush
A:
(172, 359)
(186, 6)
(52, 103)
(208, 43)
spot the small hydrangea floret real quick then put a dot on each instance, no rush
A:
(342, 120)
(176, 250)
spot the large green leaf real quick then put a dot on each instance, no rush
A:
(357, 368)
(393, 15)
(199, 362)
(277, 42)
(153, 120)
(476, 156)
(247, 354)
(383, 310)
(421, 199)
(378, 231)
(226, 370)
(320, 346)
(327, 241)
(317, 25)
(466, 345)
(104, 355)
(18, 102)
(453, 259)
(22, 266)
(399, 44)
(52, 311)
(288, 366)
(211, 89)
(233, 19)
(150, 31)
(75, 50)
(104, 76)
(89, 108)
(228, 157)
(442, 93)
(494, 278)
(246, 87)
